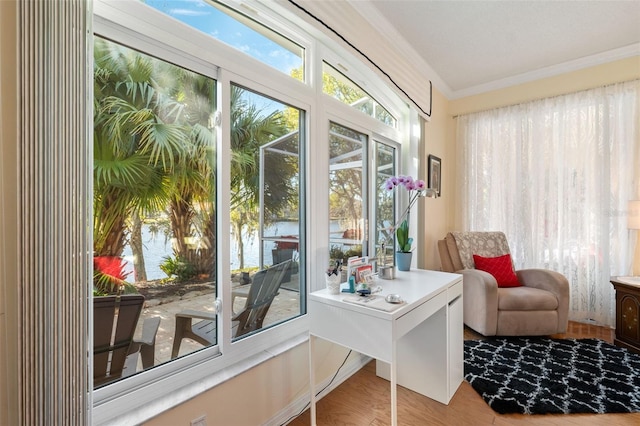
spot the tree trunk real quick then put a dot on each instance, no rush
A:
(139, 270)
(110, 230)
(204, 258)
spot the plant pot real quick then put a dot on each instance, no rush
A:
(403, 260)
(333, 283)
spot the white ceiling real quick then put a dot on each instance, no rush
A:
(474, 46)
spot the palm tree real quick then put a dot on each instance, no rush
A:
(136, 135)
(192, 180)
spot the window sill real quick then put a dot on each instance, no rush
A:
(150, 398)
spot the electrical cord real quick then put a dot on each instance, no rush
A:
(321, 390)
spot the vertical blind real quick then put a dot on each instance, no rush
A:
(55, 192)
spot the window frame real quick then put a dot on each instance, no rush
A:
(146, 389)
(140, 27)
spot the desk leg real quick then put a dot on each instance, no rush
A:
(394, 387)
(312, 379)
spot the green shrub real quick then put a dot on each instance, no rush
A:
(177, 267)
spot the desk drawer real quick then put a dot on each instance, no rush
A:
(416, 316)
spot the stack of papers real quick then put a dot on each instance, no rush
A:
(375, 302)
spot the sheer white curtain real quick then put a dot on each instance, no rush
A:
(555, 175)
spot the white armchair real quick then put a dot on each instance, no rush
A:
(538, 307)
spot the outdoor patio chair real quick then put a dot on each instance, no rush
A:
(264, 288)
(120, 346)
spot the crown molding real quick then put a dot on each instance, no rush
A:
(373, 16)
(552, 71)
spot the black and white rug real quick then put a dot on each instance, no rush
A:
(543, 376)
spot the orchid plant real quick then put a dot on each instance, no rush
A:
(416, 188)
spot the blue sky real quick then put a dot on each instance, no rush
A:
(206, 18)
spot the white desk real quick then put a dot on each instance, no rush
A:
(419, 345)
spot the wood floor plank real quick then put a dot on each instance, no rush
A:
(363, 400)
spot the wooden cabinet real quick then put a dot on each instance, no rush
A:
(627, 313)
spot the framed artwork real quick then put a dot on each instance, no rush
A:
(435, 174)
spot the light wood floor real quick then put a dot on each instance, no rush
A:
(364, 398)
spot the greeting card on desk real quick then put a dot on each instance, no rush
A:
(364, 274)
(375, 302)
(354, 262)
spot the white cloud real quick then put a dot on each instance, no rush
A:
(187, 12)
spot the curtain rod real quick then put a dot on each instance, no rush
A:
(428, 114)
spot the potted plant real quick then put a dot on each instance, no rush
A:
(416, 189)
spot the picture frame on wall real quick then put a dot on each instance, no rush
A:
(435, 174)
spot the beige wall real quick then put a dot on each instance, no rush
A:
(8, 217)
(613, 72)
(437, 220)
(257, 395)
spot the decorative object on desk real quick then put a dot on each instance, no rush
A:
(352, 282)
(332, 279)
(364, 274)
(393, 298)
(416, 189)
(333, 283)
(363, 291)
(355, 262)
(403, 260)
(633, 222)
(386, 272)
(553, 376)
(435, 173)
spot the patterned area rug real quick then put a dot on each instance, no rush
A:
(543, 376)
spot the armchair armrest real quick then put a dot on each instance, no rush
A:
(545, 279)
(553, 282)
(480, 301)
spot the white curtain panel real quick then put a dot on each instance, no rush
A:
(556, 175)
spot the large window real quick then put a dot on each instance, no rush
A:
(385, 218)
(204, 162)
(237, 30)
(351, 213)
(154, 201)
(340, 87)
(347, 193)
(265, 211)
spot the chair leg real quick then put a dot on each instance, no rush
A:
(182, 324)
(147, 354)
(148, 342)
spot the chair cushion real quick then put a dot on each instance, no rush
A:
(501, 267)
(526, 299)
(488, 244)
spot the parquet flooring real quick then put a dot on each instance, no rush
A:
(364, 398)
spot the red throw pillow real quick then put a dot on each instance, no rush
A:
(500, 267)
